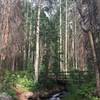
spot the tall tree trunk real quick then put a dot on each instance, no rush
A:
(66, 41)
(30, 33)
(37, 55)
(27, 33)
(11, 29)
(76, 63)
(60, 39)
(96, 66)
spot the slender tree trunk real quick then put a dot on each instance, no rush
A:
(73, 45)
(27, 34)
(30, 33)
(95, 64)
(13, 64)
(37, 56)
(60, 39)
(76, 65)
(66, 40)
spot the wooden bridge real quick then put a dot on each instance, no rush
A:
(78, 77)
(59, 76)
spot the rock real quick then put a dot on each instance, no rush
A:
(28, 96)
(5, 96)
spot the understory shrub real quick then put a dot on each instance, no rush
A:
(82, 85)
(24, 81)
(21, 79)
(44, 81)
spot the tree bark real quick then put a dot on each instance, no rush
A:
(66, 41)
(37, 55)
(96, 66)
(60, 39)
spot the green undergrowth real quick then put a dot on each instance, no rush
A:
(82, 86)
(24, 81)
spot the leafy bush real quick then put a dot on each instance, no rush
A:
(24, 79)
(82, 85)
(43, 78)
(8, 80)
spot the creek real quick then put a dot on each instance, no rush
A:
(58, 96)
